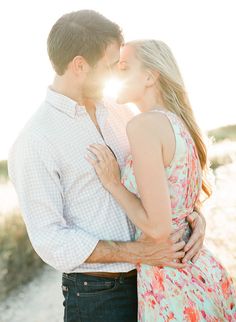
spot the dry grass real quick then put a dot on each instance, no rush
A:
(3, 171)
(18, 260)
(223, 133)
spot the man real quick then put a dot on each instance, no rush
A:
(74, 224)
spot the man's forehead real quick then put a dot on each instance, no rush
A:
(112, 53)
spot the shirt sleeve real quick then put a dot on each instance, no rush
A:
(36, 178)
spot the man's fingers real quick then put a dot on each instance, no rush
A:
(178, 255)
(176, 236)
(178, 246)
(193, 216)
(175, 230)
(192, 252)
(195, 258)
(193, 239)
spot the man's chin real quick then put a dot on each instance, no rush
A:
(96, 95)
(121, 100)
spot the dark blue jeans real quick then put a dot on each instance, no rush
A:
(97, 299)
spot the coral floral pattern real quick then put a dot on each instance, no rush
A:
(202, 291)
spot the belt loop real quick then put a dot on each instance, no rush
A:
(121, 278)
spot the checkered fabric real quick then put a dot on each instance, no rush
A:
(65, 207)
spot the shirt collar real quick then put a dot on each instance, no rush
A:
(67, 105)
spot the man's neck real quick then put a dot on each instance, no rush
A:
(65, 88)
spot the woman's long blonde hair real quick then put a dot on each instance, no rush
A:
(157, 57)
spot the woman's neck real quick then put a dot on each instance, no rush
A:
(149, 102)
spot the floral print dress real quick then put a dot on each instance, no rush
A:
(202, 291)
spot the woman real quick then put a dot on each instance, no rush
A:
(166, 171)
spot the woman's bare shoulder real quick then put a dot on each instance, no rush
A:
(148, 122)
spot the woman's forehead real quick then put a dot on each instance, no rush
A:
(127, 53)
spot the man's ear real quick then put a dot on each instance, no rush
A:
(79, 65)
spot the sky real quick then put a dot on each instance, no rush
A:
(200, 33)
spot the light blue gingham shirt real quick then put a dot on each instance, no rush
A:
(65, 207)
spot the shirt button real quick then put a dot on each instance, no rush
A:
(85, 283)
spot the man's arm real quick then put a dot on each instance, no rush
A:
(152, 252)
(145, 250)
(195, 243)
(36, 178)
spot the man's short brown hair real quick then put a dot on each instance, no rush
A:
(83, 33)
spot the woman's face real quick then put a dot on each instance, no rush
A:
(132, 75)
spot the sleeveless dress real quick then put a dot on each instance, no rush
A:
(202, 291)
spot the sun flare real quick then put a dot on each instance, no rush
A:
(112, 88)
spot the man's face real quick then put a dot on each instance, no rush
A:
(104, 69)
